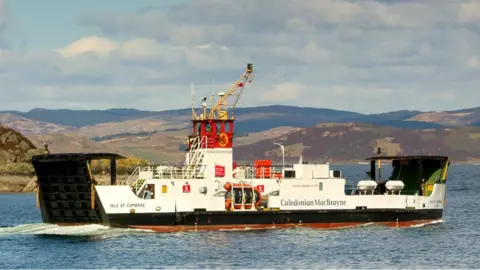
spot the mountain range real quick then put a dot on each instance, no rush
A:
(316, 133)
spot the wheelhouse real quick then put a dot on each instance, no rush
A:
(418, 173)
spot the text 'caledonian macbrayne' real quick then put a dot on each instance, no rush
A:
(305, 202)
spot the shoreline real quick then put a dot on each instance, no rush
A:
(27, 184)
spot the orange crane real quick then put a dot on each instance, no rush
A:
(219, 110)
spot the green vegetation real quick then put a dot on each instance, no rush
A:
(23, 168)
(147, 154)
(124, 166)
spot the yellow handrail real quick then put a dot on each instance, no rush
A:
(38, 199)
(445, 170)
(92, 189)
(92, 196)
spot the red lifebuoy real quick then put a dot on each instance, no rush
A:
(242, 188)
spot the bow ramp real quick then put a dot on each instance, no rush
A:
(66, 192)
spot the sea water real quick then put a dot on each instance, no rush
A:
(452, 243)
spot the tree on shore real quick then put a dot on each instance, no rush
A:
(124, 166)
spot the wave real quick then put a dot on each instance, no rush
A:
(427, 223)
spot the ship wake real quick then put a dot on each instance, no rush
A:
(55, 230)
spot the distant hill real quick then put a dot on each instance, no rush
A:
(354, 142)
(476, 124)
(462, 117)
(334, 142)
(155, 147)
(80, 118)
(251, 119)
(159, 136)
(468, 110)
(28, 126)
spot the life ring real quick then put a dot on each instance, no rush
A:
(222, 140)
(245, 188)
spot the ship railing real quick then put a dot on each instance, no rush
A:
(172, 171)
(194, 172)
(255, 172)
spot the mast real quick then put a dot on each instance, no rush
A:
(193, 102)
(379, 153)
(213, 92)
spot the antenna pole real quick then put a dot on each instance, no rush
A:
(213, 92)
(379, 153)
(193, 101)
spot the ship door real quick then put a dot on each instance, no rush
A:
(151, 188)
(410, 202)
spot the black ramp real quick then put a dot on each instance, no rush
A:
(65, 188)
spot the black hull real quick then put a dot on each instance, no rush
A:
(265, 219)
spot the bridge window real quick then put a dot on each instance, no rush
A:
(208, 128)
(195, 128)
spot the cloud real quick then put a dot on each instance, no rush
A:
(10, 36)
(92, 44)
(283, 92)
(442, 96)
(472, 62)
(344, 92)
(323, 53)
(3, 23)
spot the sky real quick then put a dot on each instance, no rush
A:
(363, 56)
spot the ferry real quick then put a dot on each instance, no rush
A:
(211, 191)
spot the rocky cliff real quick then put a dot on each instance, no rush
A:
(16, 171)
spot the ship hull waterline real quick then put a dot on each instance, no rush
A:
(260, 220)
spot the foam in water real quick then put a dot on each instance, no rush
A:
(51, 229)
(427, 223)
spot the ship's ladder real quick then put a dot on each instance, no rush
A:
(138, 186)
(135, 181)
(133, 177)
(195, 155)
